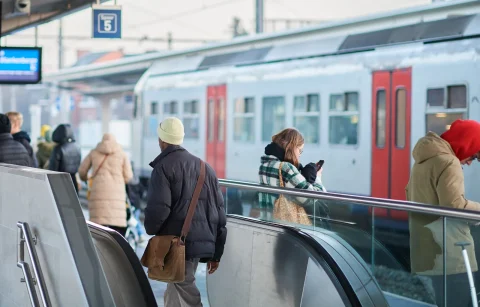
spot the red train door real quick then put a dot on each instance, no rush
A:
(216, 128)
(391, 122)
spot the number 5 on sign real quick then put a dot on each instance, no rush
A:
(107, 21)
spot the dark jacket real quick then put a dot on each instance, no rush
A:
(44, 153)
(174, 176)
(12, 152)
(66, 156)
(23, 138)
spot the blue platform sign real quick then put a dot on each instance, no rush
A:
(20, 65)
(107, 21)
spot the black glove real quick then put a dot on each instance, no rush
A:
(300, 167)
(309, 171)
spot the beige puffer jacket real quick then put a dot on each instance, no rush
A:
(107, 201)
(437, 179)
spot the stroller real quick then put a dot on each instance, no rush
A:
(131, 234)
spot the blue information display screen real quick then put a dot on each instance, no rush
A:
(20, 65)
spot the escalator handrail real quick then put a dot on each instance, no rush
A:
(356, 199)
(134, 261)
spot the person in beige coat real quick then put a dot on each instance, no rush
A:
(437, 179)
(111, 170)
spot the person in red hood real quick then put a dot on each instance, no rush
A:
(437, 179)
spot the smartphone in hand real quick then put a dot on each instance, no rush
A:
(320, 164)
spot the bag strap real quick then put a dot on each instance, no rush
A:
(193, 202)
(280, 174)
(99, 167)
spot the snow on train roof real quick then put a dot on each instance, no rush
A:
(383, 58)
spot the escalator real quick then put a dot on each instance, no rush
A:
(264, 264)
(267, 264)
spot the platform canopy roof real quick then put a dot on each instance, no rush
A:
(41, 11)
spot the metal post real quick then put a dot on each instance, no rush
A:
(60, 44)
(36, 36)
(259, 16)
(473, 292)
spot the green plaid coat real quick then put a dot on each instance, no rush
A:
(292, 178)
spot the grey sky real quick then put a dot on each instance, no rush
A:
(188, 19)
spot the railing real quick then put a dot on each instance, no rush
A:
(407, 251)
(25, 236)
(361, 200)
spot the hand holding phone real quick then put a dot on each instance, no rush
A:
(320, 164)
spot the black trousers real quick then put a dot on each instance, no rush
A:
(120, 230)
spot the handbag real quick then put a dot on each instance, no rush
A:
(165, 255)
(90, 180)
(287, 210)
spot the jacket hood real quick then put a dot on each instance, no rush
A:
(108, 145)
(464, 138)
(22, 135)
(431, 146)
(63, 134)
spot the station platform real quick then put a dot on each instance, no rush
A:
(64, 260)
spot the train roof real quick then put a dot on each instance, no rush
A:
(453, 35)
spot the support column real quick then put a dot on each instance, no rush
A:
(106, 114)
(259, 16)
(13, 98)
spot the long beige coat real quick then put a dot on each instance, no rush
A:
(437, 179)
(107, 201)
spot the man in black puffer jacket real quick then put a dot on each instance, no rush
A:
(173, 180)
(11, 151)
(66, 156)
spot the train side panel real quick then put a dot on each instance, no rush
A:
(445, 75)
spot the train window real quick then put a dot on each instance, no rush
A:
(381, 119)
(447, 110)
(440, 122)
(343, 118)
(221, 120)
(154, 108)
(352, 101)
(273, 116)
(243, 127)
(211, 120)
(457, 97)
(170, 108)
(435, 97)
(191, 119)
(401, 118)
(306, 116)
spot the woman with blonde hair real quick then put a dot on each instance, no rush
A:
(107, 196)
(280, 167)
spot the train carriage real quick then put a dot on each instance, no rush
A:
(361, 100)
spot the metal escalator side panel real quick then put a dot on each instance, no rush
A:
(311, 295)
(268, 265)
(125, 275)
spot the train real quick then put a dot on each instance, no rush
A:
(361, 99)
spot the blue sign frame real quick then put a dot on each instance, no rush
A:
(20, 65)
(107, 21)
